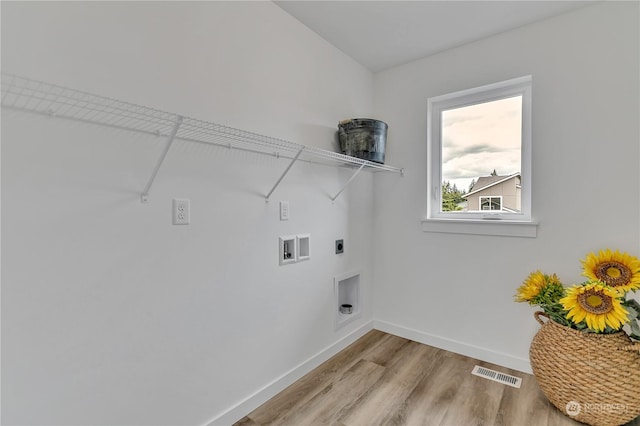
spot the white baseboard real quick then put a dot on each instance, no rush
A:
(472, 351)
(249, 404)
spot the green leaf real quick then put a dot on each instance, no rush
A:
(635, 327)
(633, 304)
(633, 313)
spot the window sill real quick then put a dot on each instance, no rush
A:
(505, 228)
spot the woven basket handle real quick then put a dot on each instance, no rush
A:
(538, 314)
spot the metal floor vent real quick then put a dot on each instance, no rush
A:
(496, 376)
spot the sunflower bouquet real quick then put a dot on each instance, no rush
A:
(599, 305)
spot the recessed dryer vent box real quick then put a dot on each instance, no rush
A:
(346, 295)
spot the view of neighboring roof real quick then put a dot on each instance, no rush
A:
(485, 182)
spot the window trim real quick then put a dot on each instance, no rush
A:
(520, 86)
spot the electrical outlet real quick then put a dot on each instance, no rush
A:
(181, 211)
(339, 246)
(284, 210)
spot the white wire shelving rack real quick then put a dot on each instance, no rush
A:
(24, 94)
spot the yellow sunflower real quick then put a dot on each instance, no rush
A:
(595, 303)
(531, 287)
(618, 270)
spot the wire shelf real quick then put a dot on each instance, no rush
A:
(24, 94)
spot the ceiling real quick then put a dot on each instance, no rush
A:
(383, 34)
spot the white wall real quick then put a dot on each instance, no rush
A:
(455, 291)
(111, 315)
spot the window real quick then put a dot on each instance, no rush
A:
(479, 154)
(490, 203)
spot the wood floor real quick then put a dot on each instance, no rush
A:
(387, 380)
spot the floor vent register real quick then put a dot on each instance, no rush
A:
(496, 376)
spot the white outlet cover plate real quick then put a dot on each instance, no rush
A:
(284, 210)
(181, 211)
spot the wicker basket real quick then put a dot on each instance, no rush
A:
(593, 378)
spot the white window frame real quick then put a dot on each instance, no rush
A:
(479, 222)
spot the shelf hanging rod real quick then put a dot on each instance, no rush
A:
(266, 198)
(348, 182)
(145, 194)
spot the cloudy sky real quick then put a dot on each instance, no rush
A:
(480, 138)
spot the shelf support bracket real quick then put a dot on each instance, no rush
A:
(145, 194)
(266, 198)
(348, 182)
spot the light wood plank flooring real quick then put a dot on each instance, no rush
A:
(383, 379)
